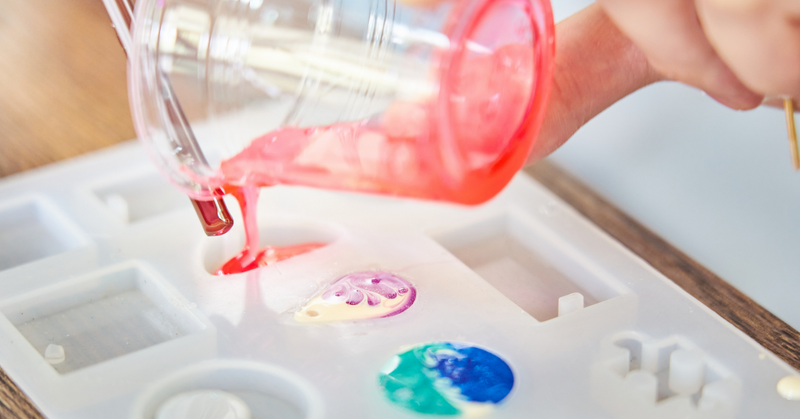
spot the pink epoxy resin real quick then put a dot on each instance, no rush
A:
(252, 257)
(462, 146)
(463, 150)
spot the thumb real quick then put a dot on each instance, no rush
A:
(595, 66)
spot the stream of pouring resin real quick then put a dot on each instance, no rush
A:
(398, 152)
(251, 257)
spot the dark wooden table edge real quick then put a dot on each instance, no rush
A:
(764, 327)
(741, 311)
(14, 404)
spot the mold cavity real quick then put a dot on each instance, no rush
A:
(674, 369)
(532, 270)
(666, 378)
(278, 233)
(140, 197)
(103, 316)
(263, 391)
(33, 229)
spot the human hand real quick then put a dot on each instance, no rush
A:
(737, 51)
(595, 66)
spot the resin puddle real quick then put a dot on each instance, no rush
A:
(251, 257)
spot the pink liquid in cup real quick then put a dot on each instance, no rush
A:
(463, 146)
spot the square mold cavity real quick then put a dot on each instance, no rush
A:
(32, 229)
(105, 315)
(530, 266)
(140, 196)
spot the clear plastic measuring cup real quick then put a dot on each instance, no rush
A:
(440, 102)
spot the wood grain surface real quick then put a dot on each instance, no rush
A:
(63, 87)
(14, 404)
(63, 93)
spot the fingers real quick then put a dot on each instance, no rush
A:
(671, 36)
(596, 65)
(758, 39)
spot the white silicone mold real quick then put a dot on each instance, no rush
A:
(124, 286)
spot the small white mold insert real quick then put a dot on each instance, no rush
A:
(32, 229)
(54, 354)
(204, 404)
(686, 371)
(570, 303)
(639, 377)
(119, 206)
(140, 197)
(105, 315)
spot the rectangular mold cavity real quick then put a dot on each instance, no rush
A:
(140, 197)
(33, 229)
(103, 316)
(532, 270)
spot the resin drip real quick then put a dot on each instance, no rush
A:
(251, 257)
(789, 387)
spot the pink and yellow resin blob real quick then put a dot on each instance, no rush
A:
(360, 295)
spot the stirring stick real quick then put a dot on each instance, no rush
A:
(789, 107)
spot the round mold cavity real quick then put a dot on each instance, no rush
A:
(275, 231)
(268, 391)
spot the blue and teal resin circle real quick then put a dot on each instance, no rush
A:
(444, 378)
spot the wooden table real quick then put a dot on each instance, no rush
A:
(63, 93)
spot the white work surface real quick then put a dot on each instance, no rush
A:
(716, 183)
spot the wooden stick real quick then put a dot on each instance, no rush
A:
(789, 107)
